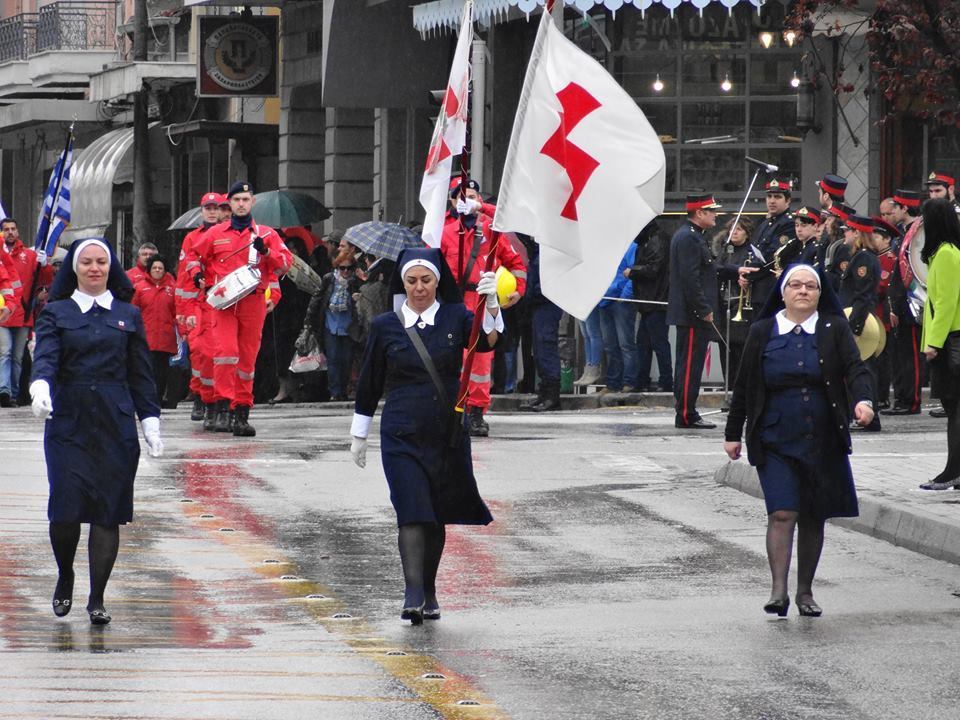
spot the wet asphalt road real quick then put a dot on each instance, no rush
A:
(261, 580)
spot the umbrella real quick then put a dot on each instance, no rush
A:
(188, 221)
(383, 239)
(285, 208)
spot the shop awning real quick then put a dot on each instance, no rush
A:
(105, 161)
(445, 14)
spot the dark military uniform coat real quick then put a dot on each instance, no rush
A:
(693, 279)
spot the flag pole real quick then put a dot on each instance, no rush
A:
(460, 405)
(34, 289)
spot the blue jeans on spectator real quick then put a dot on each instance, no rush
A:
(13, 341)
(592, 337)
(618, 325)
(652, 338)
(510, 371)
(339, 352)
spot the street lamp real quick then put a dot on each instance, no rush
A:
(726, 85)
(658, 84)
(795, 80)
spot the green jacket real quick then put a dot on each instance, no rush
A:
(941, 312)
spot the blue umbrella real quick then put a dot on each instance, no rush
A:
(382, 239)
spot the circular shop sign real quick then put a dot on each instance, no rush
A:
(238, 56)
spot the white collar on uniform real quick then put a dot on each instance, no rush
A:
(427, 316)
(85, 302)
(784, 326)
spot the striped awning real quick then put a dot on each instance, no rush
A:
(445, 14)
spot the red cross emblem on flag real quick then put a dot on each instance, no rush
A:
(577, 103)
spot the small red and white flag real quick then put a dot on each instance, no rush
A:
(449, 135)
(584, 172)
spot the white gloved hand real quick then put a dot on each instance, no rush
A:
(41, 258)
(358, 448)
(488, 288)
(466, 206)
(151, 434)
(42, 405)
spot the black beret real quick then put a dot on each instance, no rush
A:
(240, 186)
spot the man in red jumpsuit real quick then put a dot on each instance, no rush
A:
(23, 267)
(237, 329)
(193, 316)
(470, 212)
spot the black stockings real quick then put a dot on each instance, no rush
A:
(421, 547)
(780, 527)
(102, 548)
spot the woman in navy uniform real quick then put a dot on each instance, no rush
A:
(859, 284)
(91, 372)
(426, 456)
(807, 361)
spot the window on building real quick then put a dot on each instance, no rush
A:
(708, 85)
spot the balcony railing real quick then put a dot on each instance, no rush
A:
(18, 37)
(77, 25)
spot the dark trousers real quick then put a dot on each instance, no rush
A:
(952, 469)
(873, 366)
(884, 372)
(652, 338)
(161, 369)
(731, 368)
(911, 366)
(546, 352)
(691, 353)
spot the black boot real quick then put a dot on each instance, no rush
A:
(478, 426)
(210, 417)
(551, 398)
(528, 405)
(242, 428)
(222, 422)
(198, 409)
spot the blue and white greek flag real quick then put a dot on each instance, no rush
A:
(55, 214)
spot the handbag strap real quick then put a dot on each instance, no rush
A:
(427, 362)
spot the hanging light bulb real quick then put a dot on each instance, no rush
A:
(766, 39)
(658, 84)
(726, 85)
(795, 80)
(790, 37)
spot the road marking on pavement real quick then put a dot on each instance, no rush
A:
(412, 669)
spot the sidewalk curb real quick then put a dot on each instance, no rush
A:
(910, 528)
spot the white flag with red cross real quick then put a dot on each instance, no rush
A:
(584, 171)
(449, 135)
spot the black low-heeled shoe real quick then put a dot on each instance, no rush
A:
(431, 613)
(413, 614)
(99, 616)
(777, 607)
(809, 609)
(62, 598)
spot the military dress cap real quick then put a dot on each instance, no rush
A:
(210, 198)
(833, 185)
(859, 222)
(808, 214)
(939, 178)
(455, 185)
(882, 227)
(779, 185)
(702, 202)
(240, 186)
(841, 211)
(908, 198)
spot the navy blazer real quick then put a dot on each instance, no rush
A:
(844, 377)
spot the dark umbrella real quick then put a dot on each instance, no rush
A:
(382, 239)
(188, 221)
(285, 208)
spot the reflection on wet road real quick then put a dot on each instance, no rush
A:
(260, 579)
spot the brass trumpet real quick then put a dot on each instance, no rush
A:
(745, 297)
